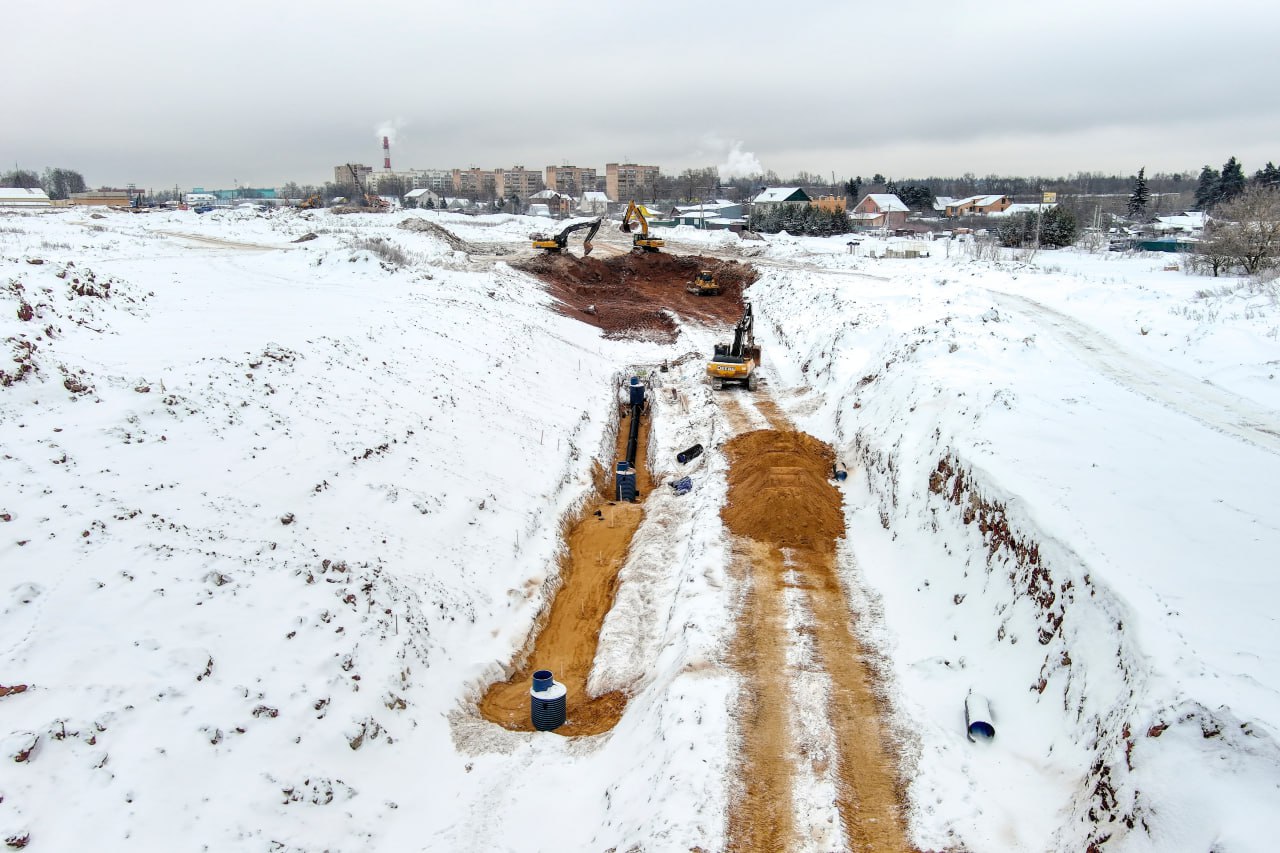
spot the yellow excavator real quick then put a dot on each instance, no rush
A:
(737, 362)
(704, 284)
(311, 202)
(641, 242)
(560, 242)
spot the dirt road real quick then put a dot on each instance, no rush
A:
(809, 710)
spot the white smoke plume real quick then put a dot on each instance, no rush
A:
(390, 129)
(739, 163)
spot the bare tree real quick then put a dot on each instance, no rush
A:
(1245, 233)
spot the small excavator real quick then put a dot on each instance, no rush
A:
(311, 202)
(704, 284)
(641, 242)
(560, 242)
(737, 362)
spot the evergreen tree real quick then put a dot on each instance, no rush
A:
(1057, 227)
(1206, 189)
(1268, 176)
(851, 188)
(1141, 195)
(1231, 184)
(877, 179)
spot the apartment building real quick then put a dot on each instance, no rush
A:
(436, 180)
(352, 173)
(517, 181)
(574, 180)
(627, 181)
(475, 183)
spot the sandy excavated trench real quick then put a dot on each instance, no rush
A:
(632, 295)
(596, 544)
(786, 517)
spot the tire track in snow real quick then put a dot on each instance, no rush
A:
(1202, 401)
(809, 733)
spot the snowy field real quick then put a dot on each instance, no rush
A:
(273, 514)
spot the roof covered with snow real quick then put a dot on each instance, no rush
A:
(977, 200)
(23, 196)
(887, 203)
(777, 195)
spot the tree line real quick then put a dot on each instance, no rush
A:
(56, 183)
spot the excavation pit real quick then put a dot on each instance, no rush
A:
(633, 295)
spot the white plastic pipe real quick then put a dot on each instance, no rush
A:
(977, 717)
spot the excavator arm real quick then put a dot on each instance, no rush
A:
(633, 212)
(560, 242)
(641, 242)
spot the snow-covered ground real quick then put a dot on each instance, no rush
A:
(273, 514)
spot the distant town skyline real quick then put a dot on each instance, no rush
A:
(264, 94)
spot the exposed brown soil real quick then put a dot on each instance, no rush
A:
(630, 294)
(596, 545)
(778, 490)
(787, 516)
(760, 814)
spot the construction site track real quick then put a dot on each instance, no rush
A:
(786, 517)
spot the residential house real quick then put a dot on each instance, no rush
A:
(721, 208)
(19, 197)
(420, 197)
(1192, 223)
(1014, 209)
(594, 203)
(830, 203)
(774, 197)
(880, 210)
(559, 204)
(977, 205)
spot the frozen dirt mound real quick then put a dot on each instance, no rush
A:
(444, 234)
(633, 295)
(779, 492)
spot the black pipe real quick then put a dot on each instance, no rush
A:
(634, 435)
(687, 455)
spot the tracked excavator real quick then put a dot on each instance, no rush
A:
(737, 362)
(641, 242)
(560, 242)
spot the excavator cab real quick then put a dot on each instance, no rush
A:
(560, 242)
(704, 284)
(737, 362)
(641, 242)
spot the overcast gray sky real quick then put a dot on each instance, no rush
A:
(261, 92)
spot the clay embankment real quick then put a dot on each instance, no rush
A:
(786, 517)
(596, 544)
(631, 295)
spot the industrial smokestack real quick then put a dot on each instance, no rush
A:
(386, 153)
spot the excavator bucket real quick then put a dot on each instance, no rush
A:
(625, 227)
(586, 248)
